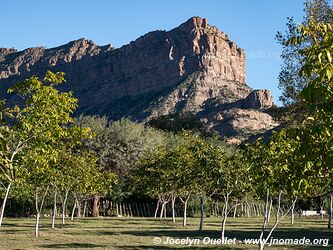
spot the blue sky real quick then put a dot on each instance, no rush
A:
(252, 24)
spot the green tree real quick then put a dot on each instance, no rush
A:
(39, 127)
(147, 178)
(68, 165)
(278, 168)
(232, 181)
(181, 121)
(290, 82)
(317, 96)
(187, 168)
(98, 145)
(207, 159)
(9, 148)
(298, 160)
(8, 168)
(119, 146)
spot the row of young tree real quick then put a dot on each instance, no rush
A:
(42, 150)
(296, 162)
(47, 155)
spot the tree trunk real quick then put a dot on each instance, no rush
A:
(39, 208)
(330, 211)
(157, 207)
(257, 208)
(270, 209)
(73, 210)
(292, 214)
(77, 205)
(117, 210)
(37, 215)
(235, 209)
(130, 209)
(125, 212)
(37, 224)
(64, 203)
(322, 209)
(84, 209)
(165, 211)
(137, 213)
(247, 207)
(185, 209)
(185, 213)
(216, 211)
(95, 210)
(261, 238)
(78, 202)
(225, 215)
(120, 210)
(54, 213)
(3, 206)
(173, 201)
(162, 209)
(202, 203)
(147, 209)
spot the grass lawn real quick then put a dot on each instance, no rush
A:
(139, 233)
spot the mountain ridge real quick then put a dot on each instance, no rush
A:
(184, 69)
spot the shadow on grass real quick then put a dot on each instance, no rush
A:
(239, 235)
(249, 233)
(242, 234)
(187, 248)
(71, 245)
(12, 231)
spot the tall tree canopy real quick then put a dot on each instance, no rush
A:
(290, 82)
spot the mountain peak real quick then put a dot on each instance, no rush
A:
(196, 22)
(188, 68)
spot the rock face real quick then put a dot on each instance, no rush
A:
(188, 68)
(241, 123)
(259, 99)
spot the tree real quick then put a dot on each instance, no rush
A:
(232, 181)
(207, 159)
(9, 148)
(297, 160)
(40, 126)
(152, 177)
(187, 168)
(39, 122)
(290, 82)
(279, 168)
(38, 174)
(181, 121)
(163, 175)
(68, 165)
(7, 165)
(184, 165)
(119, 146)
(98, 145)
(317, 96)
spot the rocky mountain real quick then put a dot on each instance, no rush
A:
(194, 67)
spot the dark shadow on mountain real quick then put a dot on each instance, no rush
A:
(265, 135)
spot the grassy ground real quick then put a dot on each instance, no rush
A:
(139, 233)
